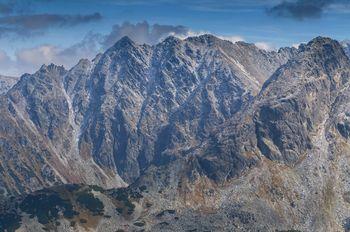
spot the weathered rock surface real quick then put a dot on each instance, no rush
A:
(346, 47)
(209, 136)
(6, 83)
(105, 121)
(281, 163)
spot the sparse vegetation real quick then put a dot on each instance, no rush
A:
(139, 224)
(148, 205)
(90, 202)
(72, 223)
(164, 223)
(83, 221)
(119, 210)
(292, 230)
(9, 222)
(143, 188)
(168, 211)
(46, 207)
(97, 188)
(122, 196)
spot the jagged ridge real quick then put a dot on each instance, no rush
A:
(258, 139)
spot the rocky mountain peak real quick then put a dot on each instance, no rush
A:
(207, 39)
(346, 47)
(288, 51)
(52, 69)
(327, 55)
(325, 47)
(169, 43)
(321, 56)
(321, 41)
(6, 82)
(83, 62)
(193, 126)
(125, 42)
(81, 66)
(248, 45)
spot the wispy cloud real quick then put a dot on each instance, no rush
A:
(8, 7)
(203, 5)
(233, 38)
(302, 9)
(143, 32)
(28, 60)
(38, 23)
(44, 21)
(18, 17)
(265, 46)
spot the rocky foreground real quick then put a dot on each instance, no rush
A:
(207, 135)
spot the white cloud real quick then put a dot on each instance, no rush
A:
(186, 34)
(38, 55)
(191, 33)
(6, 64)
(4, 58)
(265, 46)
(29, 60)
(296, 45)
(151, 34)
(233, 39)
(142, 32)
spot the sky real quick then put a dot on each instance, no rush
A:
(34, 32)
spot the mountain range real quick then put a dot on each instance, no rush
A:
(6, 83)
(199, 134)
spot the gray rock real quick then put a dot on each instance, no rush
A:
(214, 135)
(6, 83)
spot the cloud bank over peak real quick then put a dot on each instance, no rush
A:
(143, 32)
(30, 59)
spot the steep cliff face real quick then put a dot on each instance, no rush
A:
(38, 147)
(280, 164)
(106, 120)
(295, 100)
(208, 135)
(152, 99)
(346, 47)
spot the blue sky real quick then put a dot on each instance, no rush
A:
(45, 31)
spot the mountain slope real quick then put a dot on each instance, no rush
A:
(208, 135)
(6, 83)
(103, 122)
(346, 46)
(286, 153)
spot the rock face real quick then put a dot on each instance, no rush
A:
(346, 46)
(208, 135)
(269, 124)
(6, 83)
(285, 153)
(105, 121)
